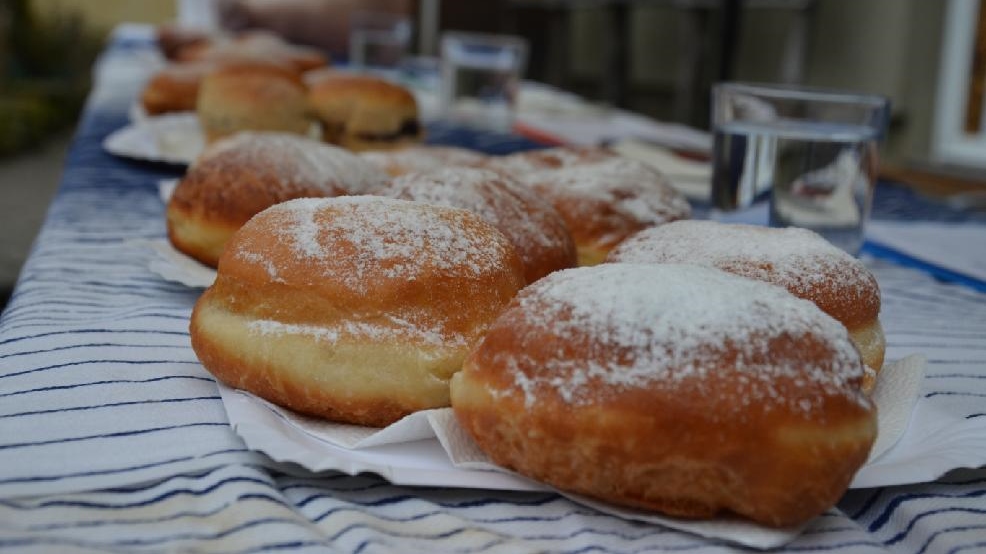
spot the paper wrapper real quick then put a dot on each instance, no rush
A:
(171, 265)
(429, 448)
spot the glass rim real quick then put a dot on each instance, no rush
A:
(802, 93)
(486, 39)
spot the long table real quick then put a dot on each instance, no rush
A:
(113, 437)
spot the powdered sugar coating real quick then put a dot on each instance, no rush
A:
(797, 259)
(668, 326)
(299, 161)
(380, 236)
(422, 158)
(629, 186)
(495, 198)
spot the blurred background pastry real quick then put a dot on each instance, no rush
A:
(362, 112)
(798, 260)
(536, 230)
(252, 96)
(356, 309)
(240, 176)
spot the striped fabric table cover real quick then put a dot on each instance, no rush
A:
(113, 437)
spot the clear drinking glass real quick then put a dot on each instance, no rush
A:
(813, 151)
(480, 78)
(378, 40)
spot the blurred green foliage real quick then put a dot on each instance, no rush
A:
(45, 65)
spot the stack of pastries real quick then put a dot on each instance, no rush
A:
(673, 371)
(257, 82)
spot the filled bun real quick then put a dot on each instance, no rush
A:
(604, 199)
(355, 309)
(360, 112)
(798, 260)
(242, 175)
(679, 389)
(252, 96)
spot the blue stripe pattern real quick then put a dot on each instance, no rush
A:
(113, 437)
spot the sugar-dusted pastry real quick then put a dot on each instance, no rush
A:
(361, 112)
(356, 309)
(175, 88)
(241, 175)
(533, 226)
(679, 389)
(799, 260)
(606, 199)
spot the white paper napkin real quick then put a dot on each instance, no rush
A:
(171, 265)
(430, 448)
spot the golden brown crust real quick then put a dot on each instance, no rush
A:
(174, 88)
(796, 259)
(252, 96)
(597, 396)
(603, 202)
(247, 173)
(354, 309)
(536, 230)
(360, 112)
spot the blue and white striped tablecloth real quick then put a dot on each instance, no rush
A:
(113, 437)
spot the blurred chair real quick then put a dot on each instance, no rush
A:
(697, 21)
(700, 21)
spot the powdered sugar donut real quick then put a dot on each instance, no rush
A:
(356, 309)
(533, 226)
(799, 260)
(605, 200)
(675, 388)
(242, 175)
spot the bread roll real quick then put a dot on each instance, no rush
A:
(252, 97)
(360, 112)
(175, 88)
(606, 200)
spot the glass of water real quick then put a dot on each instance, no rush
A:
(810, 154)
(378, 40)
(481, 77)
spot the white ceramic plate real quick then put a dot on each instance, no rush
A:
(170, 138)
